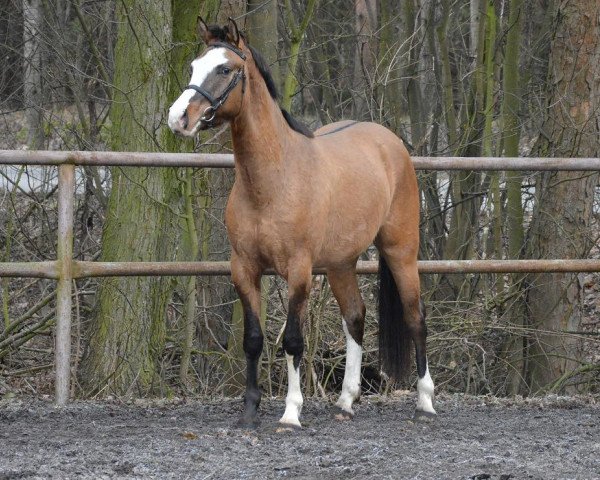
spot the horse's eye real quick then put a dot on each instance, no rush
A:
(225, 71)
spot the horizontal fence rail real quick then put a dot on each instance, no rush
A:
(81, 269)
(65, 269)
(219, 160)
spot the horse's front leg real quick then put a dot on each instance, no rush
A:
(299, 281)
(246, 278)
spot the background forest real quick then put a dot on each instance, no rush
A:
(451, 77)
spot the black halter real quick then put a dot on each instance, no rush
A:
(215, 103)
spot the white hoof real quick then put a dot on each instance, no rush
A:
(345, 405)
(290, 421)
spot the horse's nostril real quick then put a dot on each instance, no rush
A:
(184, 119)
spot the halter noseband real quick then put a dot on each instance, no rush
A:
(216, 103)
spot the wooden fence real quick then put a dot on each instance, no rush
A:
(65, 269)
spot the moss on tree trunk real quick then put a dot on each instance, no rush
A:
(562, 218)
(126, 335)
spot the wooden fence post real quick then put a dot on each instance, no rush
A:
(64, 248)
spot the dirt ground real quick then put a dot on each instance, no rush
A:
(472, 438)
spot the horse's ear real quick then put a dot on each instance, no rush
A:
(233, 33)
(203, 32)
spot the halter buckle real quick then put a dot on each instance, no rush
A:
(211, 111)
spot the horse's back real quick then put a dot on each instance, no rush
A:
(336, 127)
(366, 148)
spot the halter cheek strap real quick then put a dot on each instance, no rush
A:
(215, 103)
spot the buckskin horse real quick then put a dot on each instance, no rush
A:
(301, 200)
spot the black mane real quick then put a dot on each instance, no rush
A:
(296, 125)
(220, 33)
(265, 71)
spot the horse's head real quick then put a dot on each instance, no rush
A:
(215, 92)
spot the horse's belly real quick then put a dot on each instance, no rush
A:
(346, 240)
(360, 200)
(331, 233)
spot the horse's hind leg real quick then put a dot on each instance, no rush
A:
(399, 265)
(344, 285)
(299, 281)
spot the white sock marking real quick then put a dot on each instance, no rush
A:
(351, 385)
(425, 393)
(293, 401)
(201, 68)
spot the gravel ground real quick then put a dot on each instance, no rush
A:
(472, 438)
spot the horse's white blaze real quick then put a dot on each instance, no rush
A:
(351, 385)
(179, 107)
(425, 393)
(293, 401)
(201, 68)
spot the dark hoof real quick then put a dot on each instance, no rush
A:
(248, 423)
(422, 416)
(341, 414)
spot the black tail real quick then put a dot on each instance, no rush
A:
(394, 337)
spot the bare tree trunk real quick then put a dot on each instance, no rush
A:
(561, 223)
(511, 125)
(126, 336)
(261, 28)
(184, 50)
(412, 41)
(297, 32)
(511, 128)
(465, 186)
(389, 82)
(433, 233)
(474, 19)
(32, 72)
(365, 25)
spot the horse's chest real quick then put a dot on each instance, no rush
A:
(260, 238)
(273, 241)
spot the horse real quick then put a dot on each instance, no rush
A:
(302, 200)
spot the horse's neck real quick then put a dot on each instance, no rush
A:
(260, 136)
